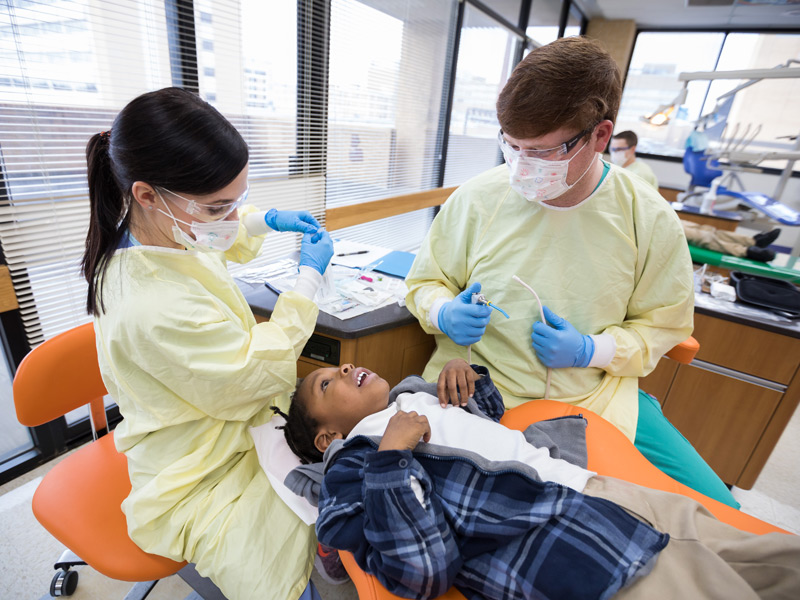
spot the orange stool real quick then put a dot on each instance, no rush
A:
(78, 501)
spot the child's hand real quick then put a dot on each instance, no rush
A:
(404, 430)
(456, 377)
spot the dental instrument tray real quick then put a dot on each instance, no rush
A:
(778, 296)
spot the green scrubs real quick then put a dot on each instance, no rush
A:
(664, 446)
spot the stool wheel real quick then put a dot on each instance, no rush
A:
(64, 583)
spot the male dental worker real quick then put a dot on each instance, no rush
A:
(623, 153)
(605, 253)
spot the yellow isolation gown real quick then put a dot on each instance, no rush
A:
(617, 263)
(643, 170)
(191, 371)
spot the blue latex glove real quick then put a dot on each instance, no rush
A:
(561, 345)
(301, 221)
(316, 250)
(462, 321)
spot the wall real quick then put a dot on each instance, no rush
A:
(617, 38)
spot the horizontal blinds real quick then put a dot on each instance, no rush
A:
(387, 68)
(68, 66)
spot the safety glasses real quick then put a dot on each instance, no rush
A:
(547, 153)
(215, 211)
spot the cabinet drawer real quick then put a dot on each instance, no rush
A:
(746, 349)
(722, 417)
(658, 382)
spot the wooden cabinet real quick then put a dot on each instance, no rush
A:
(735, 399)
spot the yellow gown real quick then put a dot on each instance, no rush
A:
(617, 263)
(190, 369)
(643, 170)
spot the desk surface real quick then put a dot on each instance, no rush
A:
(262, 301)
(745, 314)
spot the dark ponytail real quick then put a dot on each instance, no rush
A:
(108, 221)
(170, 138)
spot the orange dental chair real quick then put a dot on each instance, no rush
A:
(610, 453)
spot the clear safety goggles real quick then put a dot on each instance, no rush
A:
(620, 149)
(207, 212)
(554, 153)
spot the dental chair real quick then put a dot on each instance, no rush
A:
(705, 173)
(610, 453)
(79, 499)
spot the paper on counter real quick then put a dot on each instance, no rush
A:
(357, 261)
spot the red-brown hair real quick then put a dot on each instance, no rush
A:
(572, 82)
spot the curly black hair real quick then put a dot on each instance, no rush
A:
(300, 429)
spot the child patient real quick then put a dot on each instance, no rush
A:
(427, 495)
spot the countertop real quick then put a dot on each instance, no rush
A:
(745, 314)
(262, 301)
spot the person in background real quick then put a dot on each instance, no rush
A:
(602, 249)
(753, 247)
(178, 346)
(623, 154)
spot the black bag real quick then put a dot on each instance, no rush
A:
(781, 297)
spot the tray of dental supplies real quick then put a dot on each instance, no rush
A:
(781, 297)
(354, 282)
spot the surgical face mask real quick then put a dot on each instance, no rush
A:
(216, 235)
(619, 157)
(538, 179)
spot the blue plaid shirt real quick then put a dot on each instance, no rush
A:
(491, 534)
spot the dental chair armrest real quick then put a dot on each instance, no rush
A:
(685, 351)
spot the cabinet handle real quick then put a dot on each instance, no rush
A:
(765, 383)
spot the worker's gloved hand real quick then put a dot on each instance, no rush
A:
(462, 321)
(561, 345)
(316, 250)
(300, 221)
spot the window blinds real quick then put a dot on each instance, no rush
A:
(388, 67)
(68, 66)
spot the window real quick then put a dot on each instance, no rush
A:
(485, 60)
(768, 105)
(652, 81)
(387, 77)
(543, 21)
(14, 438)
(575, 22)
(44, 205)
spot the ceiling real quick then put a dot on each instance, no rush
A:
(735, 14)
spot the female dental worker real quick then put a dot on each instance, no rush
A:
(179, 349)
(602, 249)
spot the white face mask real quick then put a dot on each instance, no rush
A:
(539, 179)
(620, 157)
(216, 235)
